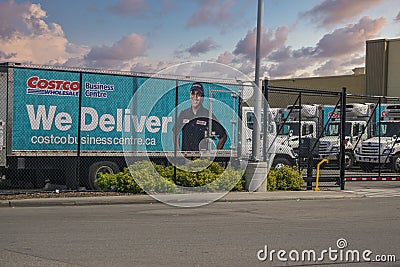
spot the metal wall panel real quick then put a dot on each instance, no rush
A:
(393, 77)
(355, 83)
(376, 67)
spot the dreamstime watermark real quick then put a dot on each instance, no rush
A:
(340, 253)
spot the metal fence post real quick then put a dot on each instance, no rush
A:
(176, 119)
(266, 121)
(310, 170)
(379, 136)
(342, 137)
(300, 110)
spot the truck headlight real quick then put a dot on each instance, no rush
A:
(335, 149)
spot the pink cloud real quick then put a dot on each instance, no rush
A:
(331, 12)
(26, 37)
(200, 47)
(271, 41)
(225, 58)
(11, 21)
(127, 48)
(6, 56)
(117, 56)
(349, 39)
(336, 53)
(290, 67)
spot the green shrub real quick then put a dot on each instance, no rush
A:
(203, 175)
(284, 178)
(145, 174)
(271, 180)
(210, 176)
(232, 180)
(120, 182)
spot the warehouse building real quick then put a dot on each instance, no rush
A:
(379, 77)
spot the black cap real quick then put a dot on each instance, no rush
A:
(197, 87)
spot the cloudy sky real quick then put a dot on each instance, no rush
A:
(300, 38)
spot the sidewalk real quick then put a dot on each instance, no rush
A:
(146, 199)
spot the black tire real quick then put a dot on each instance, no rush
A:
(396, 163)
(100, 167)
(349, 160)
(367, 167)
(280, 162)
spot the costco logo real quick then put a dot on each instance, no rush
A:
(38, 86)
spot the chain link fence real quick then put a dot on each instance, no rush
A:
(350, 137)
(60, 127)
(375, 139)
(304, 126)
(63, 126)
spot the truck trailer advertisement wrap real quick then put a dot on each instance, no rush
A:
(42, 110)
(50, 107)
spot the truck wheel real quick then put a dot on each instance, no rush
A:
(280, 162)
(348, 160)
(396, 163)
(100, 167)
(367, 167)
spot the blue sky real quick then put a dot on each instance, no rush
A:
(301, 38)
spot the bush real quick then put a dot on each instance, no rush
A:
(145, 174)
(284, 178)
(210, 176)
(203, 175)
(120, 182)
(232, 180)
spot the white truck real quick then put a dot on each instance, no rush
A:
(356, 131)
(384, 147)
(300, 122)
(284, 153)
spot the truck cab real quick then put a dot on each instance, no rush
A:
(384, 147)
(299, 122)
(284, 153)
(290, 132)
(357, 116)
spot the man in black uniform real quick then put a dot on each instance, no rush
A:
(195, 122)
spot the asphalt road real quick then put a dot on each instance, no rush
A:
(220, 234)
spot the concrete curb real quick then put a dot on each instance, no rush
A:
(146, 199)
(291, 195)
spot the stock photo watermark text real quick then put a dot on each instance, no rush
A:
(340, 253)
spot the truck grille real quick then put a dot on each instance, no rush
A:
(324, 147)
(370, 149)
